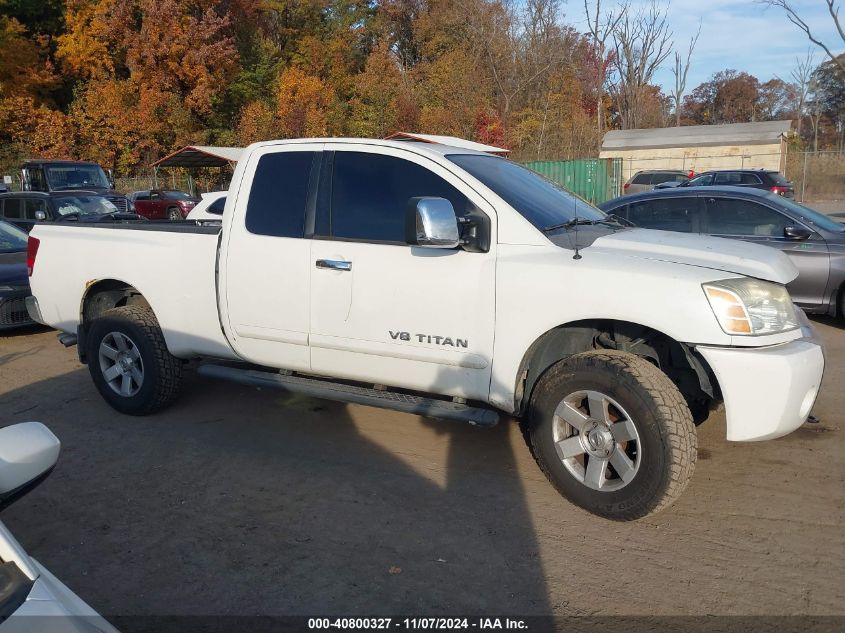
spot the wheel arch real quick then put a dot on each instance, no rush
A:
(685, 367)
(100, 296)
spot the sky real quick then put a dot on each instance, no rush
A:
(739, 34)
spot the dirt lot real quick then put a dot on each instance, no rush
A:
(238, 501)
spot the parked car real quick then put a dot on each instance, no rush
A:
(160, 204)
(751, 178)
(14, 282)
(457, 285)
(66, 175)
(648, 179)
(813, 241)
(28, 208)
(31, 598)
(210, 207)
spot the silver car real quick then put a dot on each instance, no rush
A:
(813, 241)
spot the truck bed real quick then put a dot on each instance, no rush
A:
(171, 263)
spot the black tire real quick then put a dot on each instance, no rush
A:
(162, 372)
(666, 442)
(173, 214)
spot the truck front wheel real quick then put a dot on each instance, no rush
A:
(129, 361)
(612, 433)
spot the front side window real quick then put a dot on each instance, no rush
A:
(279, 194)
(664, 177)
(701, 181)
(731, 216)
(31, 206)
(666, 214)
(540, 201)
(36, 179)
(370, 194)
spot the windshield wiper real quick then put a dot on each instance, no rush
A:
(581, 222)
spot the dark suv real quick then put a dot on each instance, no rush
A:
(755, 178)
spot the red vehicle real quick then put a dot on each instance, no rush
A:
(160, 204)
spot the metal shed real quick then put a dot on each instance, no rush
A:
(700, 147)
(194, 157)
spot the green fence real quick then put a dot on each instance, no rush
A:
(596, 180)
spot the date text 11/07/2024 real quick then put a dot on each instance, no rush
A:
(483, 624)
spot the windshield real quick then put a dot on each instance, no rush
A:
(12, 239)
(177, 195)
(806, 213)
(84, 205)
(538, 200)
(77, 177)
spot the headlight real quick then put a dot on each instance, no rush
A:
(750, 307)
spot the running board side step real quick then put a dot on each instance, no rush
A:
(407, 403)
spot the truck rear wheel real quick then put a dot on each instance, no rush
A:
(613, 434)
(129, 361)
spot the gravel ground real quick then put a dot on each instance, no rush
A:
(240, 501)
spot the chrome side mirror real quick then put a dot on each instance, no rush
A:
(431, 223)
(28, 453)
(40, 215)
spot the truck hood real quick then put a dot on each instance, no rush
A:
(729, 255)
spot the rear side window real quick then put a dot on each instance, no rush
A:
(279, 193)
(217, 206)
(730, 216)
(751, 179)
(370, 194)
(142, 195)
(656, 179)
(641, 179)
(666, 214)
(12, 208)
(728, 178)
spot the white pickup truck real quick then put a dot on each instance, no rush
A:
(449, 283)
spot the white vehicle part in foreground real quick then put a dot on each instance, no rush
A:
(768, 391)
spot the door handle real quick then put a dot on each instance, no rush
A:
(334, 264)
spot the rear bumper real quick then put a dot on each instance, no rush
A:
(768, 391)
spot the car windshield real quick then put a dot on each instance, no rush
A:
(540, 201)
(77, 177)
(811, 215)
(12, 239)
(84, 205)
(177, 195)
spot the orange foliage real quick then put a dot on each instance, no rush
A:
(302, 102)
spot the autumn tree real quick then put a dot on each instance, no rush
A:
(302, 104)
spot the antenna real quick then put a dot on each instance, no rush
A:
(577, 254)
